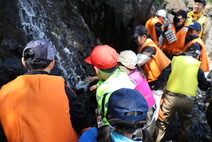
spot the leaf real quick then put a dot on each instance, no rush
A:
(157, 1)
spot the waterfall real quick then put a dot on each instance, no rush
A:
(39, 22)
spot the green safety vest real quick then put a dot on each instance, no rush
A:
(116, 81)
(183, 77)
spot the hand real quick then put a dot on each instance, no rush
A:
(93, 87)
(91, 79)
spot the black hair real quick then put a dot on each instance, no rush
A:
(121, 127)
(32, 63)
(110, 70)
(148, 36)
(143, 74)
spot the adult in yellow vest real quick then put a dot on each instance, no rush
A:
(150, 56)
(37, 106)
(192, 38)
(200, 17)
(184, 75)
(175, 34)
(155, 25)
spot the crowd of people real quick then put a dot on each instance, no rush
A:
(137, 94)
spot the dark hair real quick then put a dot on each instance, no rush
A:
(148, 36)
(110, 70)
(32, 63)
(121, 127)
(143, 74)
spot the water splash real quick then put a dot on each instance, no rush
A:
(32, 22)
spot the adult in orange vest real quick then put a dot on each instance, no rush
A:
(155, 25)
(199, 16)
(192, 38)
(37, 106)
(175, 34)
(150, 57)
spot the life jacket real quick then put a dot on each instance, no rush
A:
(153, 68)
(142, 86)
(150, 25)
(184, 75)
(203, 56)
(35, 108)
(200, 20)
(105, 88)
(175, 47)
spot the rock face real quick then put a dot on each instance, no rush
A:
(73, 26)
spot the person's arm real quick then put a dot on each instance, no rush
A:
(146, 54)
(159, 30)
(162, 78)
(206, 29)
(203, 84)
(77, 112)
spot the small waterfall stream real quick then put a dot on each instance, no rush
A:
(38, 22)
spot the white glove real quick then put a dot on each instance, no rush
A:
(142, 59)
(157, 95)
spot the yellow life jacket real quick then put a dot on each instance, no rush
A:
(183, 78)
(201, 20)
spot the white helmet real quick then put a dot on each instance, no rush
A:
(161, 13)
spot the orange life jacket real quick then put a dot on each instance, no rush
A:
(203, 56)
(175, 47)
(153, 68)
(150, 25)
(35, 108)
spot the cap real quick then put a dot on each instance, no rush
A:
(202, 1)
(193, 48)
(42, 48)
(139, 30)
(128, 58)
(180, 12)
(103, 57)
(161, 13)
(127, 104)
(195, 25)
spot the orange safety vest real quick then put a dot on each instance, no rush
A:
(203, 56)
(153, 68)
(35, 108)
(150, 25)
(175, 47)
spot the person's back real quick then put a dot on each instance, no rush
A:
(104, 59)
(34, 107)
(177, 82)
(127, 111)
(36, 110)
(128, 63)
(155, 25)
(184, 76)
